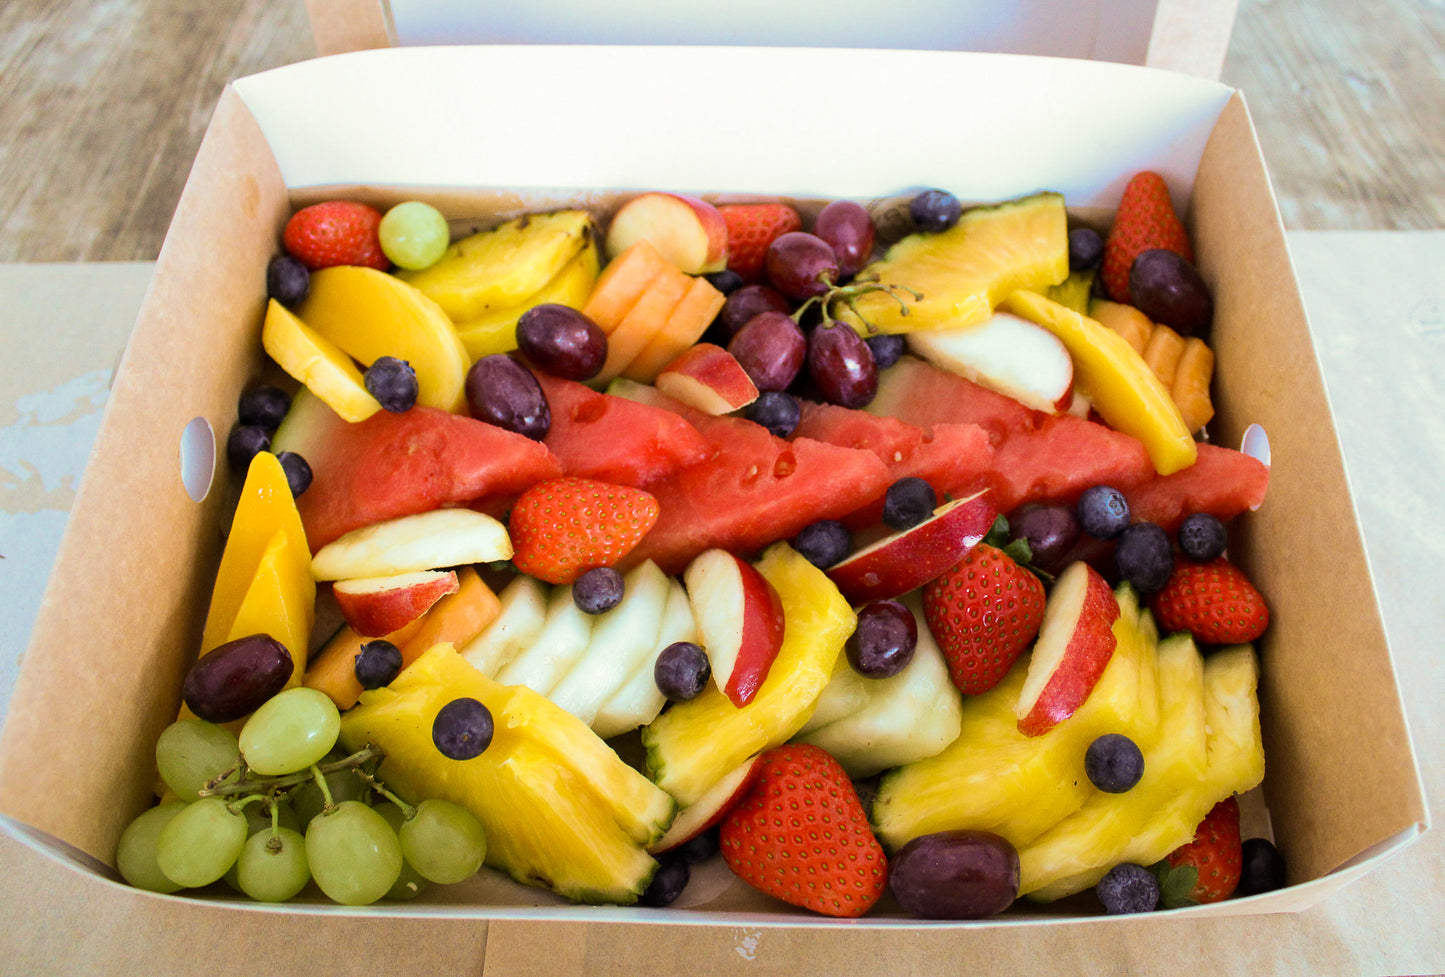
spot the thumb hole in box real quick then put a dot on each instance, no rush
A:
(198, 458)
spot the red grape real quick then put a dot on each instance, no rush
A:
(842, 366)
(771, 349)
(848, 229)
(802, 265)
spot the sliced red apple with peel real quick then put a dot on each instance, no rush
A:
(911, 557)
(1075, 642)
(708, 378)
(1006, 353)
(710, 808)
(689, 232)
(739, 621)
(427, 541)
(375, 606)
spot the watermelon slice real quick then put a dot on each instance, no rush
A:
(1222, 482)
(921, 394)
(392, 465)
(612, 439)
(1064, 455)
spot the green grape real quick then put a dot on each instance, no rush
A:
(272, 866)
(291, 731)
(191, 752)
(414, 235)
(444, 841)
(308, 800)
(410, 883)
(201, 842)
(354, 855)
(135, 856)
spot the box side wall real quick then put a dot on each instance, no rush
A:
(123, 611)
(1342, 775)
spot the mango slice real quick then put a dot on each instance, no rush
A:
(1118, 382)
(371, 314)
(325, 368)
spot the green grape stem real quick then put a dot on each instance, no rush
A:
(262, 785)
(848, 295)
(407, 811)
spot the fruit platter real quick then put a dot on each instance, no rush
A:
(906, 556)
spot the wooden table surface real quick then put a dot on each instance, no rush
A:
(103, 105)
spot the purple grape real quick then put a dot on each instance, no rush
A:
(1086, 249)
(726, 281)
(1128, 888)
(848, 230)
(264, 406)
(462, 729)
(934, 210)
(682, 671)
(393, 383)
(503, 392)
(884, 641)
(1168, 289)
(908, 501)
(287, 280)
(777, 411)
(1144, 556)
(956, 874)
(741, 306)
(237, 677)
(1113, 763)
(842, 366)
(245, 442)
(377, 662)
(598, 590)
(1103, 511)
(824, 543)
(1050, 528)
(562, 341)
(1202, 537)
(771, 349)
(298, 472)
(801, 265)
(888, 348)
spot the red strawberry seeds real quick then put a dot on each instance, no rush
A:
(1214, 601)
(800, 834)
(983, 613)
(751, 229)
(1145, 220)
(563, 527)
(336, 232)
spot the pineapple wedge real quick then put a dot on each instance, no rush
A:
(994, 778)
(964, 272)
(693, 744)
(495, 331)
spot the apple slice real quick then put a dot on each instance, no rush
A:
(708, 378)
(639, 700)
(739, 621)
(521, 613)
(376, 606)
(688, 232)
(1075, 643)
(427, 541)
(1006, 353)
(710, 808)
(911, 557)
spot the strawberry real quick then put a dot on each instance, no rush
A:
(800, 834)
(1207, 868)
(1145, 219)
(751, 228)
(1215, 601)
(983, 613)
(336, 232)
(563, 527)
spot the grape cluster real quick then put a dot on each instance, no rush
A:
(278, 807)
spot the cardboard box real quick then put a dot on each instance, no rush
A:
(123, 612)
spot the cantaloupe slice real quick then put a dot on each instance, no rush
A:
(325, 368)
(622, 283)
(684, 327)
(643, 321)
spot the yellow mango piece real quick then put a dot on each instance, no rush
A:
(1117, 381)
(371, 314)
(317, 362)
(265, 508)
(496, 331)
(502, 267)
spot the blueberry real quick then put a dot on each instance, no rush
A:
(726, 281)
(1086, 249)
(1113, 763)
(824, 543)
(1144, 556)
(264, 406)
(1103, 511)
(887, 348)
(884, 640)
(462, 729)
(909, 501)
(934, 210)
(1202, 537)
(597, 590)
(393, 383)
(245, 442)
(377, 663)
(1128, 888)
(775, 410)
(701, 847)
(1262, 867)
(287, 280)
(682, 671)
(667, 882)
(298, 472)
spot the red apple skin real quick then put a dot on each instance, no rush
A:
(762, 635)
(716, 228)
(378, 611)
(689, 231)
(709, 809)
(709, 378)
(1088, 652)
(911, 557)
